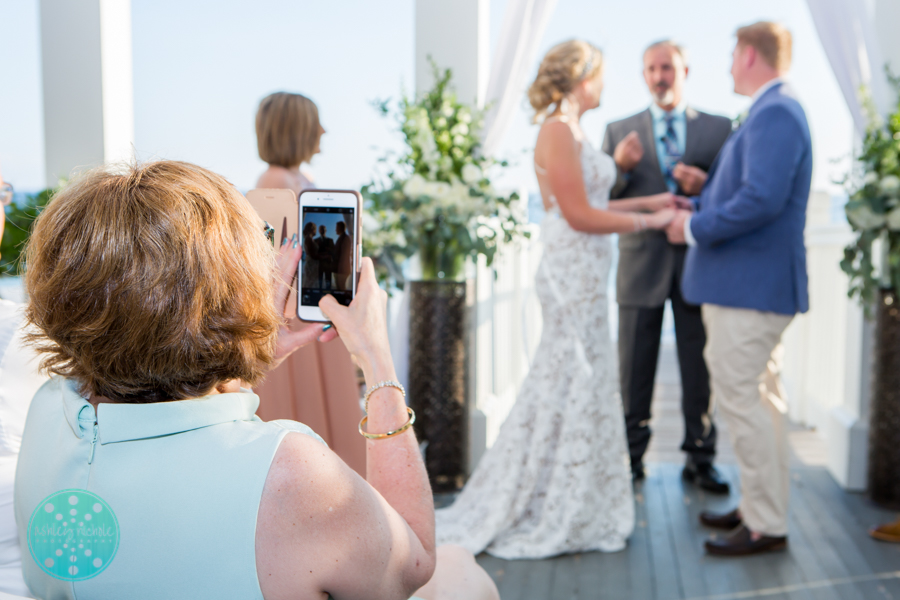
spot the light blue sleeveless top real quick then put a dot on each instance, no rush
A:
(183, 479)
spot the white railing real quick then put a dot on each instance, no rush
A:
(827, 352)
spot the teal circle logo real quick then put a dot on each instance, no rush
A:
(73, 535)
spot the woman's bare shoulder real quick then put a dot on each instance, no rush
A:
(313, 511)
(555, 138)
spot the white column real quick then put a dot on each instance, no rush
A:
(87, 79)
(455, 34)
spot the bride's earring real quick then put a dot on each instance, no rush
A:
(564, 106)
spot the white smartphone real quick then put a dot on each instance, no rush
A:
(331, 235)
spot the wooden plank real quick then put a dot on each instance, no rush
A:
(844, 509)
(835, 550)
(527, 579)
(636, 559)
(495, 567)
(804, 553)
(567, 578)
(663, 566)
(607, 576)
(823, 561)
(687, 540)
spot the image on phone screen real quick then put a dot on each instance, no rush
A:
(327, 263)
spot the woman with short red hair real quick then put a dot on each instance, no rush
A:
(144, 472)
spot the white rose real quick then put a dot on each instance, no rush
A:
(447, 110)
(471, 174)
(459, 194)
(890, 185)
(459, 140)
(415, 187)
(871, 178)
(864, 218)
(441, 122)
(460, 129)
(463, 116)
(436, 189)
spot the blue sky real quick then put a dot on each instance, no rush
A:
(199, 73)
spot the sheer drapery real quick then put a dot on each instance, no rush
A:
(524, 23)
(847, 31)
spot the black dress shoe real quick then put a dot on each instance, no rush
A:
(637, 474)
(729, 520)
(706, 476)
(741, 543)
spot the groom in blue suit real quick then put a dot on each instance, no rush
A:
(746, 266)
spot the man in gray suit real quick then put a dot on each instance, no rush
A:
(669, 146)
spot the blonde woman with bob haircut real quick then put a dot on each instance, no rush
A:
(288, 133)
(151, 291)
(316, 382)
(556, 480)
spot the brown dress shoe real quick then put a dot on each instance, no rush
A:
(741, 543)
(728, 520)
(887, 533)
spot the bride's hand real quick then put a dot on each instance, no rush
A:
(661, 218)
(660, 202)
(289, 339)
(684, 203)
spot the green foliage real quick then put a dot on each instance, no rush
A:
(436, 198)
(19, 220)
(874, 206)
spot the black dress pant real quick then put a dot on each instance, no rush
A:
(639, 338)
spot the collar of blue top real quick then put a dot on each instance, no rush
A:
(125, 422)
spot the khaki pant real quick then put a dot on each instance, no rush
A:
(744, 354)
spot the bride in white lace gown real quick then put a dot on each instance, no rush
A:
(557, 478)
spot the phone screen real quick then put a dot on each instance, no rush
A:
(328, 247)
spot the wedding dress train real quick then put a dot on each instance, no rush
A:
(557, 479)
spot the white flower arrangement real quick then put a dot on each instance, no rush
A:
(437, 200)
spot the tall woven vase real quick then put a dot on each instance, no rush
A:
(438, 377)
(884, 429)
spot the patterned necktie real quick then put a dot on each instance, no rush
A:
(672, 154)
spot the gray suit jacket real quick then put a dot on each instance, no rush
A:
(647, 261)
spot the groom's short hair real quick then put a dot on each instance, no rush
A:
(668, 43)
(772, 40)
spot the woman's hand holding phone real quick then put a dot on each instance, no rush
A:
(289, 339)
(363, 325)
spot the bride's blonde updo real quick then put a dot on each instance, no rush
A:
(563, 67)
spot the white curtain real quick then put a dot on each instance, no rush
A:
(847, 31)
(524, 24)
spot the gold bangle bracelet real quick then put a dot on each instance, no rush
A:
(381, 436)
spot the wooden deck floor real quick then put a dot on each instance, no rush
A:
(830, 555)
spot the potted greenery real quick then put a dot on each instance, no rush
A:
(436, 202)
(20, 216)
(874, 214)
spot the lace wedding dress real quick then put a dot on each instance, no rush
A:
(557, 478)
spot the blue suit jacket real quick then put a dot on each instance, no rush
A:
(752, 211)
